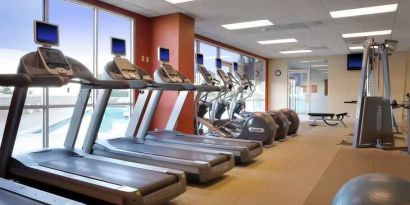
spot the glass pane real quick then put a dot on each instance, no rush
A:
(59, 121)
(298, 92)
(3, 118)
(210, 53)
(259, 80)
(16, 36)
(76, 27)
(115, 122)
(230, 56)
(30, 134)
(16, 40)
(318, 84)
(111, 25)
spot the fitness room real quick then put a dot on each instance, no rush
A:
(205, 102)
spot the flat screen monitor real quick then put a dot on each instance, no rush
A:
(235, 67)
(200, 59)
(118, 46)
(45, 33)
(218, 63)
(354, 61)
(163, 54)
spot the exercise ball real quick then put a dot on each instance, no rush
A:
(374, 189)
(293, 119)
(282, 122)
(259, 126)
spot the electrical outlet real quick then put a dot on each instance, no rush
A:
(147, 58)
(142, 58)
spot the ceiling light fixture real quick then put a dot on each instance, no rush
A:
(365, 34)
(364, 11)
(278, 41)
(178, 1)
(356, 48)
(296, 51)
(319, 66)
(248, 24)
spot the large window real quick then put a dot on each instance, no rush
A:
(85, 33)
(253, 67)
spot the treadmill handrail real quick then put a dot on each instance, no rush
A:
(165, 86)
(14, 80)
(208, 88)
(104, 84)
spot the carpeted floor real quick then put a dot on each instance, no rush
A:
(306, 169)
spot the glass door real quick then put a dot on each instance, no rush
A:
(298, 91)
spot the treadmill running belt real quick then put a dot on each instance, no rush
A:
(130, 145)
(144, 180)
(8, 198)
(204, 140)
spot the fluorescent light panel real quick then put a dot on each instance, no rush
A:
(296, 51)
(178, 1)
(356, 48)
(365, 34)
(248, 24)
(364, 11)
(319, 66)
(278, 41)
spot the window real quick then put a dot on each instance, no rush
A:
(254, 68)
(48, 112)
(16, 39)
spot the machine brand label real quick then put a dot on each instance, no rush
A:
(256, 130)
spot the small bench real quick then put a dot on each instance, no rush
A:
(331, 119)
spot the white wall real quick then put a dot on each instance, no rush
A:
(343, 84)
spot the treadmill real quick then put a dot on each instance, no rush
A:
(19, 194)
(198, 165)
(74, 172)
(244, 150)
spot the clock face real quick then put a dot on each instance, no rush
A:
(278, 72)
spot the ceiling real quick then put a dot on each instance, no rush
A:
(306, 20)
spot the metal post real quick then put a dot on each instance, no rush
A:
(149, 113)
(11, 128)
(77, 117)
(176, 110)
(137, 114)
(96, 119)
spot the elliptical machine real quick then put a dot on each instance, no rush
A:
(257, 126)
(239, 105)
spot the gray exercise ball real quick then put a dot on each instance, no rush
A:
(374, 189)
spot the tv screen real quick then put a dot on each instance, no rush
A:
(46, 33)
(218, 63)
(235, 66)
(199, 59)
(118, 46)
(354, 61)
(163, 54)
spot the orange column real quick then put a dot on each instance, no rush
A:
(176, 32)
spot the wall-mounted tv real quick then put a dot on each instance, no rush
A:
(354, 61)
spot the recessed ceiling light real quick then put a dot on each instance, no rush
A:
(364, 11)
(356, 48)
(278, 41)
(296, 51)
(319, 66)
(178, 1)
(364, 34)
(248, 24)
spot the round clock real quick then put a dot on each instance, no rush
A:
(278, 72)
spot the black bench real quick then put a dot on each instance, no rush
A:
(331, 119)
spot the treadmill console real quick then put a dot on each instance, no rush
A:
(205, 73)
(168, 70)
(125, 67)
(52, 59)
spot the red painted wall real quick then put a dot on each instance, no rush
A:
(176, 32)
